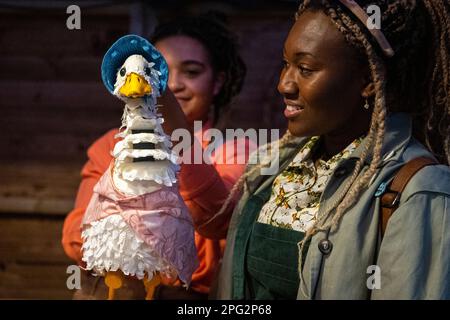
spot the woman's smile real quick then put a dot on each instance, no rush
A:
(292, 110)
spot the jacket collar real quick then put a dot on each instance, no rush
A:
(398, 133)
(397, 136)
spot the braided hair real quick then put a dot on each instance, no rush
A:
(212, 31)
(415, 80)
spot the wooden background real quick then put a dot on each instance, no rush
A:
(53, 106)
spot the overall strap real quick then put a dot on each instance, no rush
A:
(390, 200)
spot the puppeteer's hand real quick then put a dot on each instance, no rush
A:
(174, 117)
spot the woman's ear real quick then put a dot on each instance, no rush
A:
(219, 82)
(368, 90)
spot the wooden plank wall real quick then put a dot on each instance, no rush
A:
(53, 106)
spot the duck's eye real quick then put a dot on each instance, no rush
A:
(148, 71)
(123, 71)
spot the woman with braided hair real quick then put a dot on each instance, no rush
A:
(361, 103)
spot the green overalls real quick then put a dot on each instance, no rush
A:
(265, 257)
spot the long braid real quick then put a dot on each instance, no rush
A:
(237, 187)
(379, 114)
(374, 139)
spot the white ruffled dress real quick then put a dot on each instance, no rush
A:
(136, 221)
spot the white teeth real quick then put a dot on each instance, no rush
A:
(293, 108)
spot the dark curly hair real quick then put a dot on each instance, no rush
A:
(212, 31)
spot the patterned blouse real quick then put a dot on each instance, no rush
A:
(296, 191)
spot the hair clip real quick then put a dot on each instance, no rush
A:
(356, 9)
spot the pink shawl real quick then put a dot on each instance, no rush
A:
(160, 218)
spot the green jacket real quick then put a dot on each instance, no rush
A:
(414, 256)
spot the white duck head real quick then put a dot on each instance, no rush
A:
(136, 78)
(134, 71)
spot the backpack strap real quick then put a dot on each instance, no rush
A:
(390, 199)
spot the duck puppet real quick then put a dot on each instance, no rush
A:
(136, 224)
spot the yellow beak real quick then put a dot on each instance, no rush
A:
(135, 86)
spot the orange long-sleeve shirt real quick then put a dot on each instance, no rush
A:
(203, 187)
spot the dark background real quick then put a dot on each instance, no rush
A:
(53, 105)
